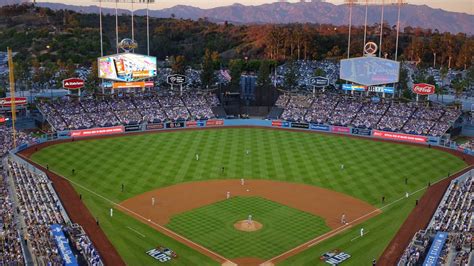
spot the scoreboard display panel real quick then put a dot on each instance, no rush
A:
(127, 67)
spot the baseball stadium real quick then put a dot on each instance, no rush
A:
(154, 167)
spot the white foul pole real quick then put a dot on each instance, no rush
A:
(133, 30)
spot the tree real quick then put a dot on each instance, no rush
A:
(207, 74)
(319, 72)
(178, 65)
(291, 81)
(443, 72)
(92, 82)
(459, 85)
(263, 84)
(235, 67)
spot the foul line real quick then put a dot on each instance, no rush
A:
(141, 217)
(359, 236)
(342, 228)
(308, 244)
(142, 235)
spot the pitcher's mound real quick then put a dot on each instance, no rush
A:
(247, 226)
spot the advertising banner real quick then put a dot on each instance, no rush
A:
(63, 245)
(277, 123)
(319, 127)
(97, 131)
(176, 79)
(285, 124)
(132, 128)
(299, 125)
(436, 247)
(423, 89)
(73, 83)
(7, 102)
(154, 126)
(174, 124)
(320, 81)
(337, 129)
(2, 119)
(400, 136)
(381, 89)
(352, 87)
(369, 70)
(361, 131)
(195, 123)
(214, 122)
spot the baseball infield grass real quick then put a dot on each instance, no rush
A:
(213, 227)
(146, 162)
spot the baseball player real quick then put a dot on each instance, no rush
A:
(111, 212)
(343, 218)
(153, 201)
(362, 232)
(197, 156)
(228, 194)
(242, 181)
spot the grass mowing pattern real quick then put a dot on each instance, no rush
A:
(213, 226)
(145, 162)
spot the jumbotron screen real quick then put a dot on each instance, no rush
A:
(127, 67)
(370, 71)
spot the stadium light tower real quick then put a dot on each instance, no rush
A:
(132, 2)
(351, 3)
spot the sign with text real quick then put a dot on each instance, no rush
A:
(399, 136)
(299, 125)
(137, 84)
(277, 123)
(213, 123)
(335, 257)
(320, 81)
(423, 89)
(162, 254)
(195, 124)
(361, 131)
(176, 79)
(7, 102)
(73, 83)
(319, 127)
(62, 243)
(352, 87)
(340, 129)
(127, 67)
(97, 131)
(174, 124)
(154, 126)
(436, 247)
(381, 89)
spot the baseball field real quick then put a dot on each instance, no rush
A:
(171, 189)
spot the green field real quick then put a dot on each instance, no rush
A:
(213, 227)
(146, 162)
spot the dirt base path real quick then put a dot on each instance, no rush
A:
(176, 199)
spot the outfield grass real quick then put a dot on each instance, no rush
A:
(146, 162)
(213, 227)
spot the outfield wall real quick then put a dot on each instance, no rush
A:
(360, 132)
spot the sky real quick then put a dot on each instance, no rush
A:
(466, 6)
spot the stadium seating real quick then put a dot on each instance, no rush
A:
(345, 110)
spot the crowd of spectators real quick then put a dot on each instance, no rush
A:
(6, 139)
(127, 109)
(345, 110)
(454, 216)
(10, 241)
(39, 207)
(306, 71)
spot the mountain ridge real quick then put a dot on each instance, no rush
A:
(421, 16)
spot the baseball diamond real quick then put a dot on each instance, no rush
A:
(278, 166)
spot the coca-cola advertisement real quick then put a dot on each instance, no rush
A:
(423, 89)
(73, 83)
